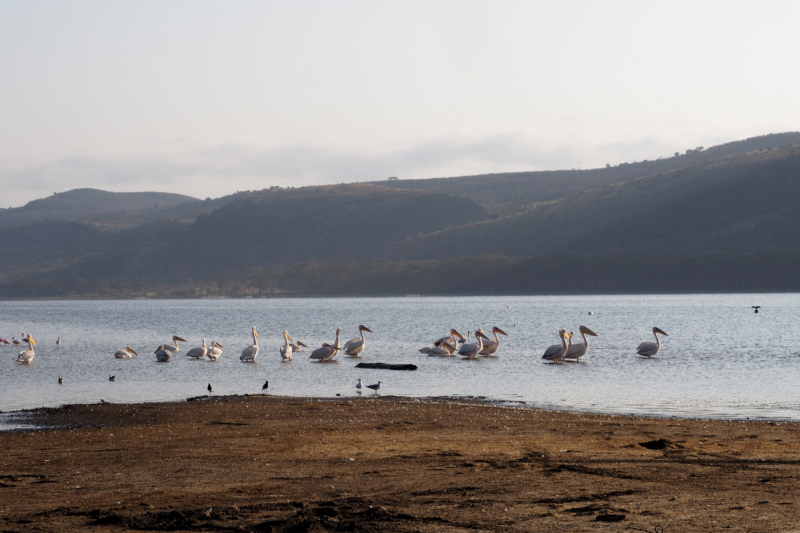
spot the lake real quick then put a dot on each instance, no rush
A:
(720, 360)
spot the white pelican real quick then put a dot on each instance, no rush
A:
(470, 350)
(215, 351)
(163, 354)
(375, 387)
(287, 349)
(298, 346)
(490, 346)
(58, 341)
(358, 386)
(649, 349)
(250, 353)
(576, 351)
(26, 356)
(556, 352)
(354, 347)
(445, 349)
(127, 353)
(200, 352)
(451, 338)
(328, 351)
(176, 347)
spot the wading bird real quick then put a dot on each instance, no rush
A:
(490, 346)
(26, 356)
(215, 351)
(355, 346)
(250, 353)
(557, 351)
(176, 347)
(58, 341)
(209, 387)
(197, 353)
(60, 380)
(470, 350)
(287, 349)
(163, 354)
(265, 386)
(328, 351)
(375, 387)
(127, 353)
(445, 349)
(576, 351)
(649, 349)
(451, 339)
(298, 346)
(358, 386)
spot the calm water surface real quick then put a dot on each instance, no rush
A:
(720, 360)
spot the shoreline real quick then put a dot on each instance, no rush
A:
(479, 400)
(273, 463)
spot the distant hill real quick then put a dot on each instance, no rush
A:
(743, 203)
(512, 190)
(83, 204)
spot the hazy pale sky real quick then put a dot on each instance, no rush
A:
(207, 98)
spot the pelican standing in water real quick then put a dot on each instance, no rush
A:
(445, 349)
(649, 349)
(490, 346)
(215, 351)
(200, 352)
(576, 351)
(127, 353)
(26, 356)
(354, 347)
(328, 351)
(557, 351)
(452, 338)
(298, 346)
(176, 347)
(470, 350)
(250, 353)
(163, 353)
(287, 349)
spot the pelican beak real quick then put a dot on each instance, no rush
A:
(479, 334)
(659, 330)
(255, 332)
(301, 343)
(176, 338)
(498, 330)
(218, 345)
(32, 340)
(289, 337)
(133, 351)
(587, 331)
(457, 334)
(364, 328)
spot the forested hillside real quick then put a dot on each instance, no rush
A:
(717, 219)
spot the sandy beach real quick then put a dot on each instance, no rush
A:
(262, 463)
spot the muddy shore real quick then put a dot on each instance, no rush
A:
(261, 463)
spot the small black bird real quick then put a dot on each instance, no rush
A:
(209, 387)
(265, 386)
(112, 377)
(60, 380)
(756, 307)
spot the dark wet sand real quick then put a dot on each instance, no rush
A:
(391, 464)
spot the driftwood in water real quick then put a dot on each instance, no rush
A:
(386, 366)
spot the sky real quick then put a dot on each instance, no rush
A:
(209, 98)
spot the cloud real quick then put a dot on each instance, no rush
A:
(223, 169)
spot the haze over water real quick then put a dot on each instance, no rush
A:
(720, 360)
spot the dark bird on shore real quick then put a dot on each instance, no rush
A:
(209, 387)
(112, 377)
(756, 307)
(60, 380)
(265, 386)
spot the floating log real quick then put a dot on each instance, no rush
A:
(386, 366)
